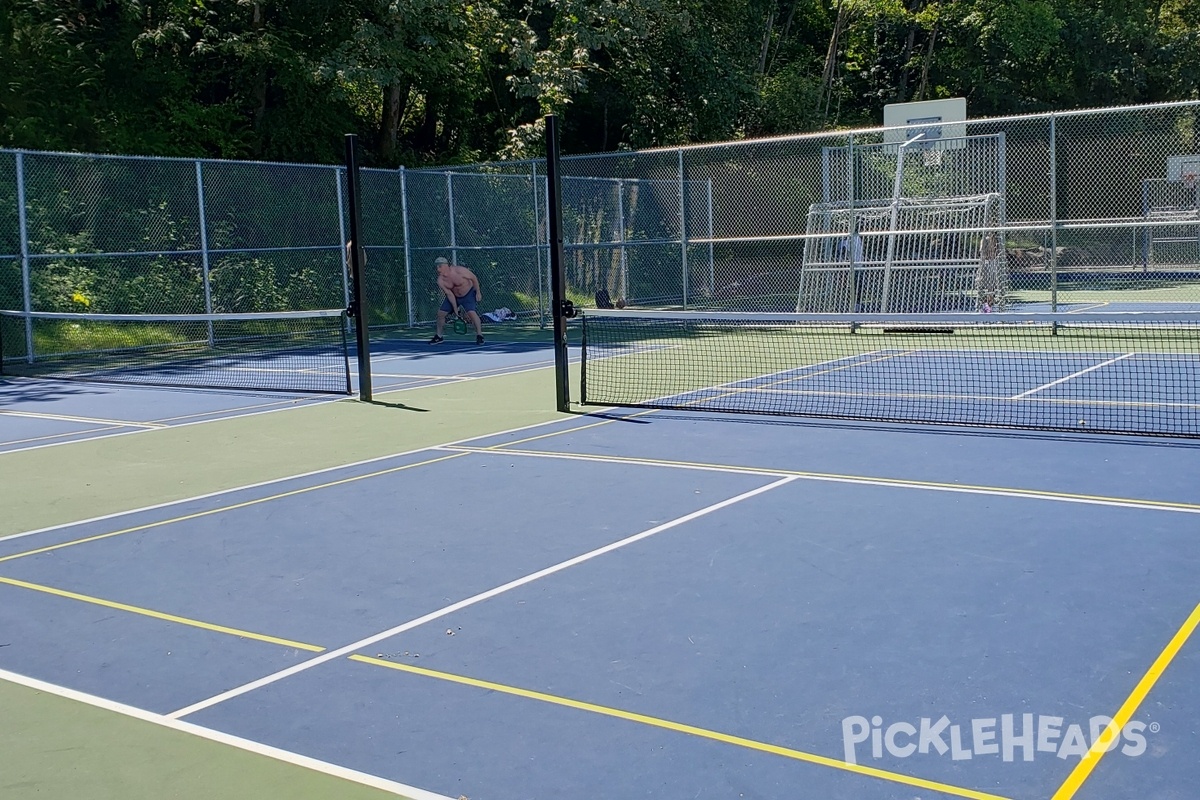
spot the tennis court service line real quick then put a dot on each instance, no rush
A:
(470, 601)
(148, 612)
(731, 389)
(274, 405)
(1066, 401)
(213, 416)
(1072, 376)
(496, 372)
(286, 756)
(430, 381)
(273, 481)
(85, 434)
(87, 420)
(211, 511)
(679, 727)
(833, 477)
(1088, 763)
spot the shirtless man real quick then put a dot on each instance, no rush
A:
(462, 291)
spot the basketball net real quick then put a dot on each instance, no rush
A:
(1189, 180)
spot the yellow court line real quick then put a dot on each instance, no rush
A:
(146, 612)
(751, 744)
(94, 420)
(1088, 763)
(1007, 491)
(234, 507)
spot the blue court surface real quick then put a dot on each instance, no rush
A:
(1119, 392)
(1077, 307)
(1103, 390)
(40, 412)
(667, 605)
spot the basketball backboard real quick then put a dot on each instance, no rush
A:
(1180, 166)
(942, 121)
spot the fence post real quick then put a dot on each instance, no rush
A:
(623, 292)
(712, 267)
(852, 232)
(337, 180)
(204, 265)
(26, 281)
(1002, 177)
(537, 248)
(1053, 216)
(683, 228)
(408, 265)
(450, 209)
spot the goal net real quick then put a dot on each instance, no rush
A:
(926, 235)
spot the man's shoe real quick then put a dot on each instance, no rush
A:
(478, 338)
(436, 340)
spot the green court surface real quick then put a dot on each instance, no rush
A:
(112, 755)
(1100, 292)
(107, 476)
(58, 747)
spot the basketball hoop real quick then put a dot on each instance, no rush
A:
(1189, 180)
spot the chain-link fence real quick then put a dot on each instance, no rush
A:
(102, 235)
(1063, 211)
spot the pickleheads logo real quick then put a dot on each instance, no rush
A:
(1006, 736)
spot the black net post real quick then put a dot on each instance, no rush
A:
(560, 307)
(358, 305)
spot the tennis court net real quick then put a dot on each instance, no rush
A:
(304, 351)
(1117, 373)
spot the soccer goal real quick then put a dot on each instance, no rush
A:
(915, 254)
(1171, 207)
(912, 226)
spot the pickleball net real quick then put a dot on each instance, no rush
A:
(1127, 373)
(305, 351)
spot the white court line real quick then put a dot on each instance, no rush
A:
(286, 402)
(308, 401)
(1072, 376)
(1070, 401)
(257, 748)
(88, 420)
(470, 601)
(233, 414)
(84, 435)
(860, 480)
(273, 481)
(731, 387)
(375, 374)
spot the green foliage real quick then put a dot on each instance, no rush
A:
(442, 81)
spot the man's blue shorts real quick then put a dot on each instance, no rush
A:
(466, 302)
